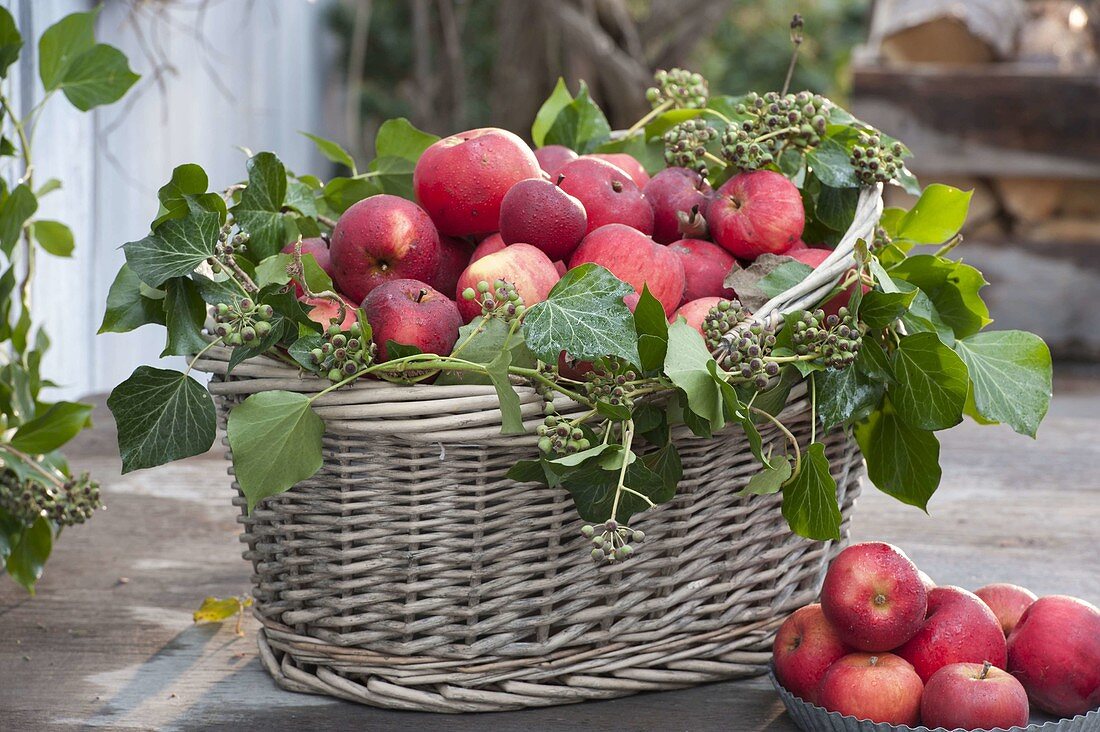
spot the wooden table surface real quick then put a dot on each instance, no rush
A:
(108, 642)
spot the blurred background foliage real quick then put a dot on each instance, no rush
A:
(451, 65)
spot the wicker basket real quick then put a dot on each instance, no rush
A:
(410, 573)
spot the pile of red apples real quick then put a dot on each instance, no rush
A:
(887, 645)
(489, 208)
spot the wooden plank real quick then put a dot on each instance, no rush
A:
(91, 651)
(995, 119)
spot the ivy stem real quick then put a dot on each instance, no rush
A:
(787, 432)
(57, 483)
(813, 408)
(330, 223)
(716, 113)
(628, 440)
(650, 115)
(951, 244)
(198, 355)
(714, 158)
(28, 173)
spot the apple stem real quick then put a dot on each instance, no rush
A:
(421, 296)
(985, 670)
(873, 660)
(561, 177)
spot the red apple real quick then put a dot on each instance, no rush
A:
(489, 245)
(1008, 602)
(959, 628)
(524, 266)
(635, 259)
(628, 164)
(695, 312)
(705, 267)
(560, 267)
(325, 311)
(316, 246)
(461, 180)
(756, 212)
(1055, 652)
(973, 696)
(928, 582)
(454, 255)
(873, 596)
(881, 688)
(412, 313)
(674, 192)
(805, 646)
(798, 245)
(608, 195)
(379, 239)
(539, 213)
(552, 157)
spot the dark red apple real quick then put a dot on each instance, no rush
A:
(695, 312)
(873, 596)
(628, 164)
(454, 256)
(1008, 602)
(539, 213)
(881, 688)
(412, 313)
(325, 311)
(959, 628)
(522, 265)
(461, 180)
(379, 239)
(552, 157)
(973, 696)
(635, 259)
(672, 192)
(705, 267)
(608, 194)
(756, 212)
(1055, 653)
(805, 646)
(489, 245)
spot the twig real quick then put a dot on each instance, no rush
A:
(796, 39)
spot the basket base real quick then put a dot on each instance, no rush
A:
(294, 675)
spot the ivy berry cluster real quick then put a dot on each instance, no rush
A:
(242, 322)
(612, 383)
(678, 88)
(873, 162)
(343, 354)
(611, 541)
(560, 436)
(66, 503)
(772, 123)
(500, 300)
(836, 338)
(686, 145)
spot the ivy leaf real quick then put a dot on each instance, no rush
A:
(831, 162)
(902, 461)
(922, 316)
(937, 215)
(62, 43)
(484, 340)
(836, 207)
(511, 416)
(276, 441)
(652, 329)
(665, 463)
(11, 42)
(341, 193)
(784, 277)
(300, 350)
(593, 491)
(585, 316)
(687, 365)
(880, 309)
(846, 396)
(580, 125)
(301, 198)
(57, 425)
(932, 382)
(187, 189)
(770, 479)
(176, 248)
(952, 287)
(184, 317)
(873, 362)
(162, 416)
(649, 151)
(1011, 375)
(19, 206)
(334, 152)
(558, 100)
(101, 75)
(127, 306)
(29, 555)
(398, 145)
(809, 499)
(54, 237)
(736, 411)
(259, 211)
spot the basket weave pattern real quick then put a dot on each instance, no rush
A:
(411, 573)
